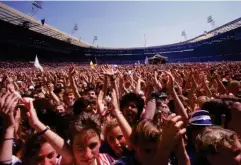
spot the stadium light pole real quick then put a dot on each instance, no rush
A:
(211, 21)
(36, 6)
(75, 29)
(95, 39)
(184, 35)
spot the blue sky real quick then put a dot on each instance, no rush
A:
(123, 24)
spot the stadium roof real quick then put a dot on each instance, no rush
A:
(13, 16)
(219, 30)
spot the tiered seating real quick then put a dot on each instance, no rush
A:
(222, 29)
(17, 18)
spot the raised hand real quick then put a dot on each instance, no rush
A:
(8, 103)
(172, 131)
(11, 88)
(158, 84)
(114, 99)
(171, 80)
(50, 87)
(100, 101)
(72, 70)
(108, 70)
(32, 115)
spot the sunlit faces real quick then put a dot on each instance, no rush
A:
(46, 156)
(70, 98)
(86, 147)
(227, 155)
(145, 152)
(84, 84)
(201, 100)
(130, 112)
(116, 140)
(60, 109)
(92, 94)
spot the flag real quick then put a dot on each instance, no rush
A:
(37, 64)
(92, 65)
(146, 61)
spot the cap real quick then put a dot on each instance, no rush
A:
(200, 118)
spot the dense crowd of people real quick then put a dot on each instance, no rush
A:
(185, 114)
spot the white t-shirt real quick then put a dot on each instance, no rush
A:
(17, 161)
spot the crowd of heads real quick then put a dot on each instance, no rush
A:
(67, 114)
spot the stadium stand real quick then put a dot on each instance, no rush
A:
(17, 18)
(22, 37)
(222, 29)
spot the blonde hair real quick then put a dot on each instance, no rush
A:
(145, 131)
(213, 138)
(108, 126)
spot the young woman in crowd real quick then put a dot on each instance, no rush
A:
(37, 151)
(84, 140)
(114, 140)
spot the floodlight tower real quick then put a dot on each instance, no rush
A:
(36, 6)
(184, 35)
(75, 29)
(211, 21)
(95, 39)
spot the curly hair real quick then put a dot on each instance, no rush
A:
(133, 97)
(81, 104)
(213, 138)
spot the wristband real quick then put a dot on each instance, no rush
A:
(118, 112)
(43, 132)
(6, 162)
(8, 139)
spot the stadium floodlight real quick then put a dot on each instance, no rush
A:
(36, 6)
(95, 39)
(184, 35)
(75, 29)
(211, 21)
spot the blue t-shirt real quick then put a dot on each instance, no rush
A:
(105, 148)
